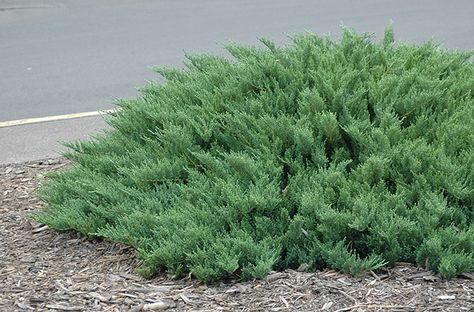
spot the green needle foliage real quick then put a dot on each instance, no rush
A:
(346, 154)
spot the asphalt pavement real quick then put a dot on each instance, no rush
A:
(44, 140)
(68, 56)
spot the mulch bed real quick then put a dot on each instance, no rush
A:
(45, 270)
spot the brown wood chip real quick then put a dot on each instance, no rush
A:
(46, 270)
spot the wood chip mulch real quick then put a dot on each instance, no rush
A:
(45, 270)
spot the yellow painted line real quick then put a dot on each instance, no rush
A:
(27, 121)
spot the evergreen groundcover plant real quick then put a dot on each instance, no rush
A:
(348, 154)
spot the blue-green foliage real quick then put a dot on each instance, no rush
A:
(350, 155)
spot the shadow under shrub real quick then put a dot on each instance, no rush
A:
(346, 154)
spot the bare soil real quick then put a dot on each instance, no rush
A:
(46, 270)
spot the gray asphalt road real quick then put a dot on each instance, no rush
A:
(59, 56)
(67, 56)
(44, 140)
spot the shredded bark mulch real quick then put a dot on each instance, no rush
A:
(46, 270)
